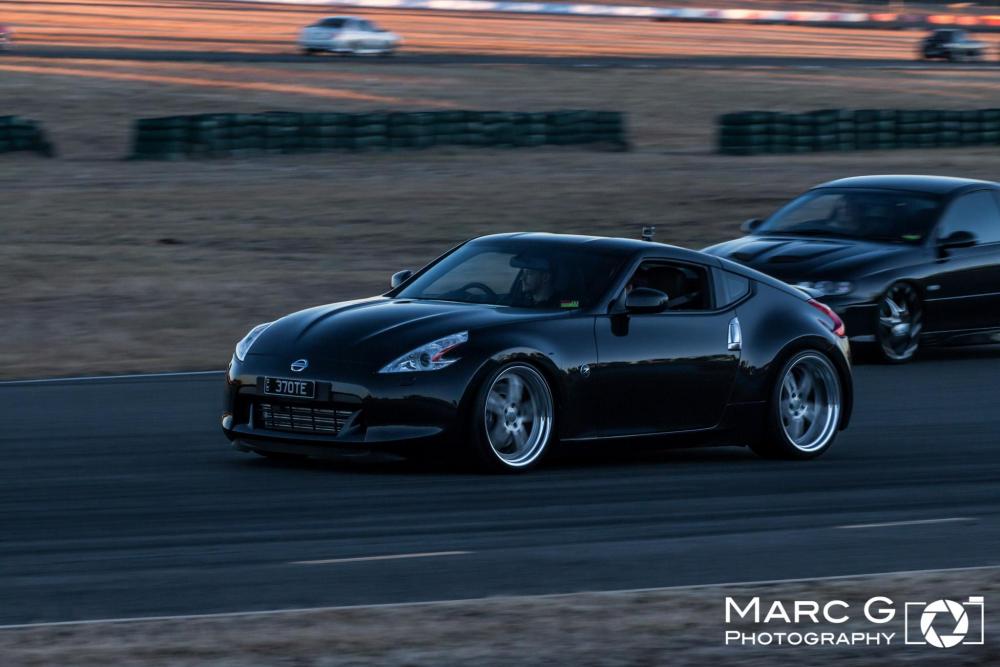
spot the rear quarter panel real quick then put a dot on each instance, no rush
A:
(775, 325)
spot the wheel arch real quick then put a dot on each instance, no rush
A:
(530, 357)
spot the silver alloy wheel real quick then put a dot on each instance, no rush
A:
(518, 415)
(900, 321)
(809, 402)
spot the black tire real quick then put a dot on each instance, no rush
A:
(495, 410)
(894, 344)
(777, 441)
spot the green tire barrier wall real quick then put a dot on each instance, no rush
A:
(21, 134)
(221, 135)
(760, 132)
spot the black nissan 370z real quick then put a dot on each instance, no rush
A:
(509, 343)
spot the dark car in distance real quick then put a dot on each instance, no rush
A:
(904, 260)
(952, 44)
(508, 343)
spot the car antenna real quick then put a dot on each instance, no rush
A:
(648, 232)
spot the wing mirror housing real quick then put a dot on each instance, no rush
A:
(399, 278)
(957, 240)
(751, 225)
(646, 300)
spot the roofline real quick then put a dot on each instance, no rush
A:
(961, 184)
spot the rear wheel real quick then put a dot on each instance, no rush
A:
(900, 322)
(513, 420)
(805, 408)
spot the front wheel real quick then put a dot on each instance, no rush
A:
(900, 321)
(805, 407)
(513, 420)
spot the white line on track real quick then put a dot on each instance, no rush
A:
(91, 378)
(550, 596)
(915, 522)
(360, 559)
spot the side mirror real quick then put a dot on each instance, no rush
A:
(646, 300)
(400, 277)
(750, 225)
(957, 240)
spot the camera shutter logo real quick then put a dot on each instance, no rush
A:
(944, 623)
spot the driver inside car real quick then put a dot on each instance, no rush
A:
(535, 283)
(536, 287)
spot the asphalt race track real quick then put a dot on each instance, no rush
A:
(120, 497)
(221, 32)
(657, 62)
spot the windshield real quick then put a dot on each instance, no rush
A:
(520, 274)
(871, 215)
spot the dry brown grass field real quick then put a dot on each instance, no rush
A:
(110, 265)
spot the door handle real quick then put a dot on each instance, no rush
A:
(735, 335)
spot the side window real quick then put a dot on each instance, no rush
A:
(686, 285)
(976, 213)
(730, 288)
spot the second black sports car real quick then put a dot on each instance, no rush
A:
(905, 260)
(509, 342)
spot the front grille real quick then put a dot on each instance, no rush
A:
(299, 418)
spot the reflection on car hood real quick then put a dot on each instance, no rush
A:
(794, 259)
(370, 329)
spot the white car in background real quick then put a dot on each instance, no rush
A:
(347, 35)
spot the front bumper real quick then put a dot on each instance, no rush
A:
(355, 408)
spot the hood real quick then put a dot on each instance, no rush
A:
(379, 329)
(795, 259)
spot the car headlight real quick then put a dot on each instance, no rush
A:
(244, 345)
(429, 357)
(828, 287)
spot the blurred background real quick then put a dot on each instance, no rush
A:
(105, 258)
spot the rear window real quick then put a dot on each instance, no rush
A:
(731, 288)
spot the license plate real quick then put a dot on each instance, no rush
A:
(296, 388)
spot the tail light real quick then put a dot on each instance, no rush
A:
(836, 324)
